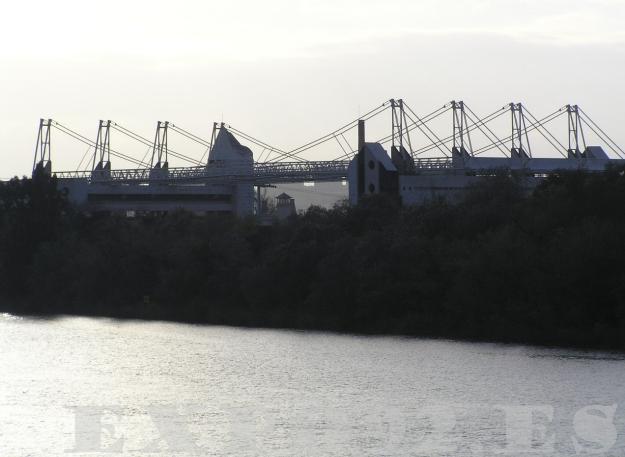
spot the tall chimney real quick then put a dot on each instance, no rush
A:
(361, 134)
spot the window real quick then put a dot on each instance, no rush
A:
(372, 188)
(371, 164)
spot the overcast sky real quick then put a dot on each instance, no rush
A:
(288, 71)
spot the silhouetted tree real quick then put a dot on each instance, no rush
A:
(501, 264)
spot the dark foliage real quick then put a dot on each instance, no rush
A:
(546, 268)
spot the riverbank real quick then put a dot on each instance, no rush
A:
(547, 269)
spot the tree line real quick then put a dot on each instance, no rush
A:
(546, 267)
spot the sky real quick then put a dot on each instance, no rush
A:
(290, 71)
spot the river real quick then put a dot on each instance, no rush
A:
(80, 386)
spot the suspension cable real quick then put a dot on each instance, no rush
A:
(84, 156)
(135, 136)
(605, 134)
(548, 132)
(600, 137)
(414, 125)
(262, 153)
(532, 127)
(410, 127)
(88, 142)
(480, 124)
(345, 153)
(340, 131)
(195, 138)
(475, 126)
(353, 151)
(262, 144)
(189, 135)
(429, 130)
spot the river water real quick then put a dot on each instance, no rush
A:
(78, 386)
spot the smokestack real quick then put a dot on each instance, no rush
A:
(361, 134)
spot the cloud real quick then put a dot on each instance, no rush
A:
(251, 30)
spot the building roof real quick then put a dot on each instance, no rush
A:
(284, 196)
(596, 152)
(226, 145)
(379, 153)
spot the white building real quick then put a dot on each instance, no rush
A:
(372, 171)
(99, 193)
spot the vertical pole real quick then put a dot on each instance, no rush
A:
(48, 144)
(401, 124)
(164, 142)
(461, 125)
(576, 130)
(570, 123)
(580, 126)
(406, 126)
(576, 133)
(38, 145)
(361, 134)
(527, 137)
(43, 149)
(155, 146)
(454, 122)
(107, 141)
(213, 137)
(513, 119)
(520, 114)
(96, 151)
(392, 122)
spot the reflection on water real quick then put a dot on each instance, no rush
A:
(74, 385)
(582, 356)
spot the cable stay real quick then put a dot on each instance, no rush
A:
(347, 142)
(420, 124)
(340, 131)
(349, 152)
(609, 141)
(189, 135)
(83, 160)
(476, 124)
(405, 129)
(147, 152)
(506, 139)
(412, 126)
(262, 144)
(345, 152)
(77, 136)
(490, 135)
(533, 126)
(262, 154)
(541, 127)
(135, 136)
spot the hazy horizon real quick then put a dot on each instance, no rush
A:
(288, 72)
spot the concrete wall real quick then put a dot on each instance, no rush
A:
(243, 199)
(121, 198)
(452, 183)
(417, 189)
(227, 156)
